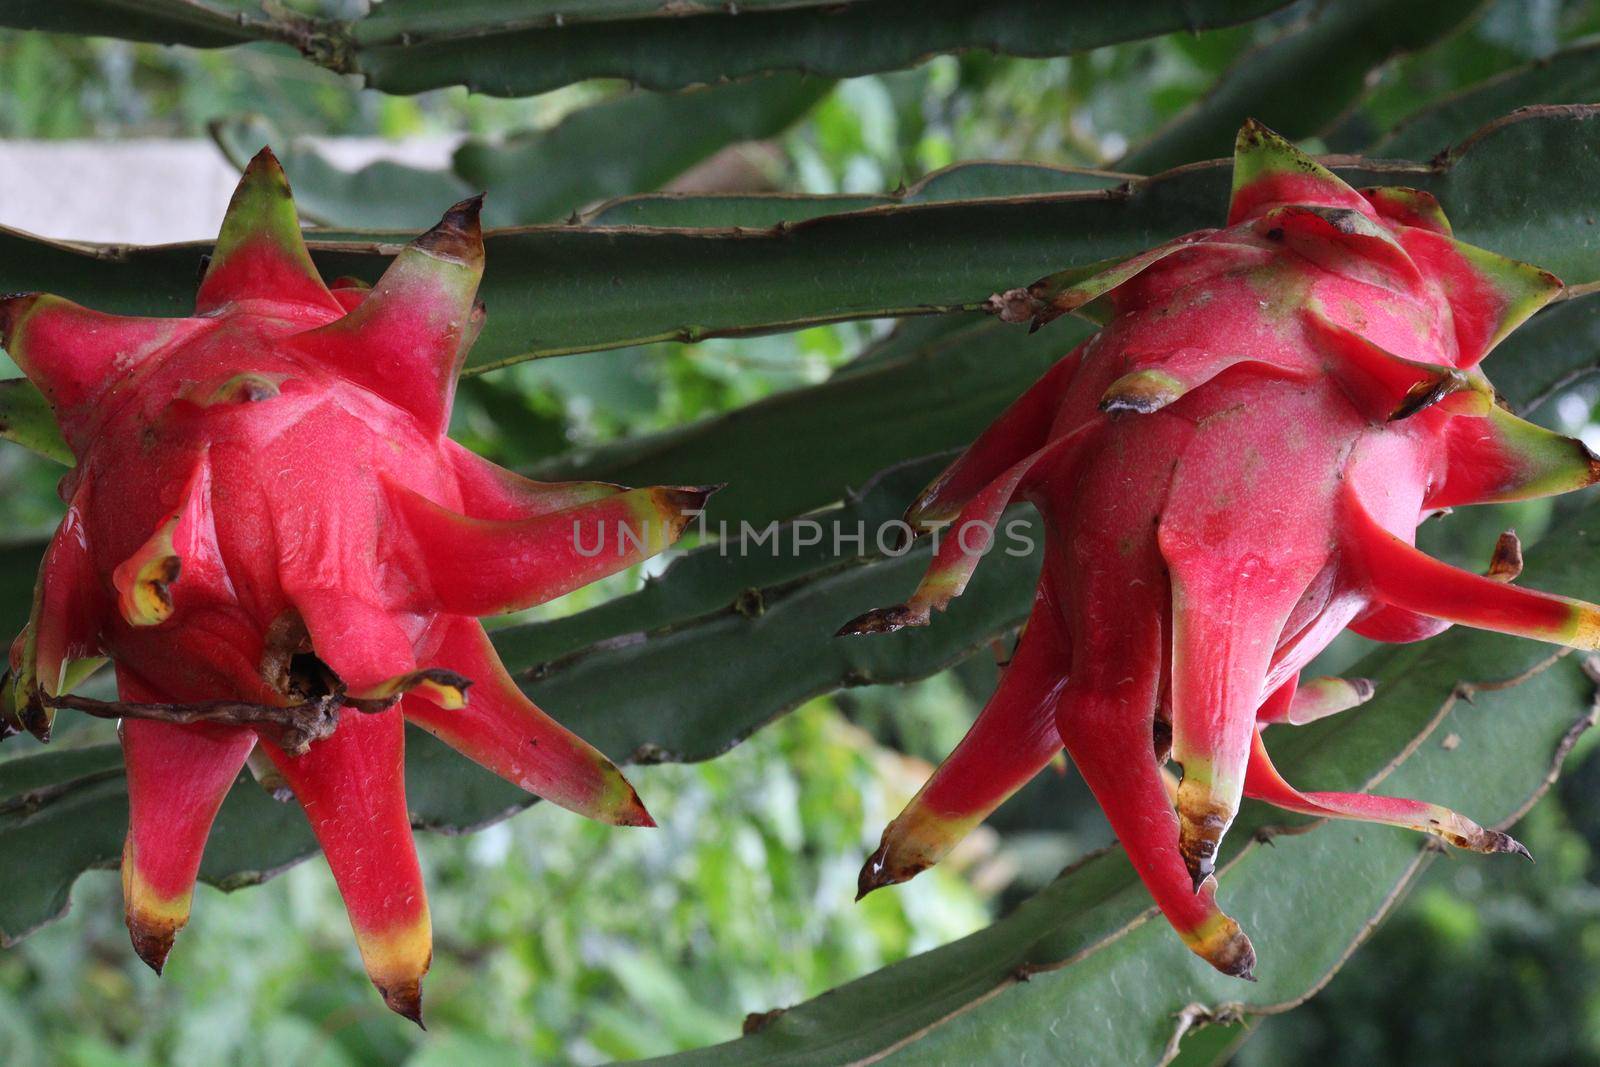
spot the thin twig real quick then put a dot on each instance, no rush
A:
(292, 727)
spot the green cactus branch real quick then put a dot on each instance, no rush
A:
(1520, 185)
(198, 23)
(514, 48)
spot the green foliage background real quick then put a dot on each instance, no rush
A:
(559, 941)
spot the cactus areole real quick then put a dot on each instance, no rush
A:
(1231, 472)
(272, 539)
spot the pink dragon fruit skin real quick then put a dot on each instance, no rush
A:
(1230, 473)
(264, 495)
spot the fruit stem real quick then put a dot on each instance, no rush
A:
(292, 727)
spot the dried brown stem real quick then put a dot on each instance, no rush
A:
(292, 727)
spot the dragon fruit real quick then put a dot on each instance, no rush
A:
(1231, 472)
(267, 524)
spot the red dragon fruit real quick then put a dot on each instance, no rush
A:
(266, 520)
(1326, 332)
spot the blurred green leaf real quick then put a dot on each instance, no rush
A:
(381, 196)
(1570, 76)
(633, 143)
(1304, 80)
(1507, 35)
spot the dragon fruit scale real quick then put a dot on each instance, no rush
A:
(267, 524)
(1189, 576)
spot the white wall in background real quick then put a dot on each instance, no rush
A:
(149, 192)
